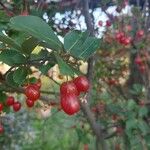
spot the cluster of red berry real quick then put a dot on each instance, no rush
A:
(140, 64)
(122, 38)
(69, 92)
(32, 93)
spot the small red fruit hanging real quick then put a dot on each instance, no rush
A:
(68, 88)
(32, 93)
(1, 107)
(16, 106)
(82, 83)
(70, 104)
(29, 103)
(10, 101)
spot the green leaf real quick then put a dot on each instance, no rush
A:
(73, 40)
(29, 45)
(44, 68)
(19, 75)
(143, 126)
(131, 124)
(88, 48)
(65, 69)
(36, 27)
(10, 42)
(10, 80)
(12, 57)
(131, 104)
(143, 112)
(79, 45)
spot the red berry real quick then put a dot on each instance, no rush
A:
(100, 23)
(142, 68)
(1, 129)
(70, 104)
(138, 60)
(1, 106)
(82, 83)
(140, 33)
(29, 103)
(119, 35)
(127, 41)
(108, 23)
(32, 93)
(68, 88)
(10, 101)
(128, 27)
(16, 106)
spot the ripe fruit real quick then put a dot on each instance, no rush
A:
(29, 103)
(32, 93)
(82, 84)
(138, 60)
(10, 101)
(16, 106)
(70, 104)
(119, 35)
(108, 23)
(68, 88)
(1, 106)
(1, 129)
(142, 68)
(140, 33)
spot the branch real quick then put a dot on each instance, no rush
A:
(85, 108)
(9, 13)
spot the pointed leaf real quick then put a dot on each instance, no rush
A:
(19, 75)
(12, 57)
(38, 28)
(29, 45)
(80, 45)
(10, 42)
(65, 69)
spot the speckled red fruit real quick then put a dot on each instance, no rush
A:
(1, 106)
(1, 129)
(82, 83)
(16, 106)
(32, 93)
(29, 103)
(10, 101)
(70, 104)
(68, 88)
